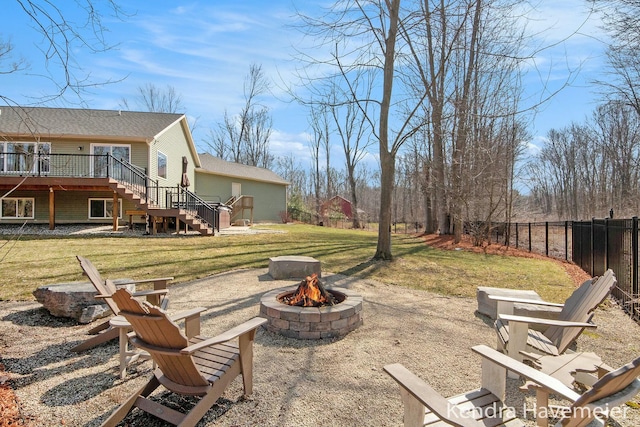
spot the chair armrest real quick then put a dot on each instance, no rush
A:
(248, 326)
(524, 301)
(150, 292)
(191, 320)
(548, 322)
(188, 313)
(545, 381)
(428, 397)
(158, 282)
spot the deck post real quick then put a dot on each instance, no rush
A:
(52, 209)
(116, 210)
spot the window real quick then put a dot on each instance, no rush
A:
(162, 165)
(101, 154)
(17, 208)
(19, 157)
(102, 208)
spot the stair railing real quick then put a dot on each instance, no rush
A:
(135, 179)
(181, 198)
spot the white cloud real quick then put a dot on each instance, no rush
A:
(284, 144)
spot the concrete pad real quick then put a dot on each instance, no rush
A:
(293, 267)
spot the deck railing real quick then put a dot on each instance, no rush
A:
(54, 165)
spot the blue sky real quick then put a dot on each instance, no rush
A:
(204, 49)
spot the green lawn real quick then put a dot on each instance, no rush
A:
(34, 261)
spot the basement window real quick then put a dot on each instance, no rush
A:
(17, 208)
(102, 208)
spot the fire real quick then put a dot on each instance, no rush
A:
(310, 293)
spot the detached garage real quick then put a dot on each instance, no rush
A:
(255, 194)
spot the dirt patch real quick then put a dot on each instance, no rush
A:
(9, 409)
(446, 242)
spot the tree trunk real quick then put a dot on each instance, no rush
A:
(354, 199)
(387, 162)
(387, 158)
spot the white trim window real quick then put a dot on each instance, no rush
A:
(17, 157)
(162, 165)
(103, 209)
(16, 207)
(100, 151)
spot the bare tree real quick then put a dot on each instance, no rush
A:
(584, 170)
(349, 120)
(246, 135)
(319, 123)
(62, 39)
(622, 21)
(156, 100)
(8, 65)
(361, 36)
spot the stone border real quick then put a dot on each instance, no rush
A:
(311, 322)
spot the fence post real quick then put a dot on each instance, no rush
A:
(634, 256)
(529, 237)
(516, 235)
(546, 238)
(593, 261)
(566, 240)
(606, 244)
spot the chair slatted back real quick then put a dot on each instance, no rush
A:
(579, 307)
(104, 287)
(606, 387)
(161, 337)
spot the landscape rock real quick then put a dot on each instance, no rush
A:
(76, 300)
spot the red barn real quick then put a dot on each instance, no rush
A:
(337, 204)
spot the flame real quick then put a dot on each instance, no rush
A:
(308, 293)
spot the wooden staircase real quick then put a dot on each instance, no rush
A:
(238, 205)
(137, 195)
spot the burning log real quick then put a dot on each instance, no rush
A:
(310, 293)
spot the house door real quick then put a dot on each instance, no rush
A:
(236, 189)
(100, 160)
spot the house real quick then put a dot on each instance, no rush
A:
(252, 193)
(60, 165)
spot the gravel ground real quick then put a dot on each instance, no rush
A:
(296, 383)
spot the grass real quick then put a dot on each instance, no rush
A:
(34, 261)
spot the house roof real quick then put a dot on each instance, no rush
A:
(70, 122)
(217, 166)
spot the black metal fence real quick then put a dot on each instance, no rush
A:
(601, 244)
(594, 246)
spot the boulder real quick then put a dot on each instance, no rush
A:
(76, 300)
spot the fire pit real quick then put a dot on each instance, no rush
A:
(309, 311)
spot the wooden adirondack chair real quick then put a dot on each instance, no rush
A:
(104, 332)
(194, 366)
(486, 406)
(515, 336)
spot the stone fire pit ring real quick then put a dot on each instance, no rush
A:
(312, 322)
